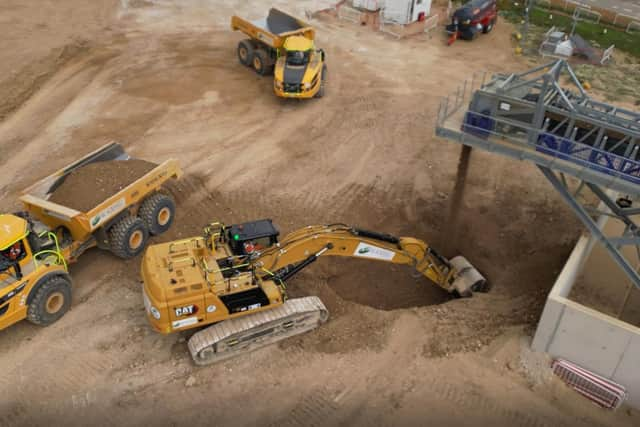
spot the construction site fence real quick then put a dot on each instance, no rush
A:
(349, 14)
(399, 31)
(495, 132)
(547, 49)
(596, 13)
(633, 27)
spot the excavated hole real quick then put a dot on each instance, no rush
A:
(374, 284)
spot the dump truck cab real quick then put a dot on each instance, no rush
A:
(31, 265)
(283, 45)
(299, 70)
(15, 252)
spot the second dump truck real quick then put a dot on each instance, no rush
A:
(37, 245)
(283, 45)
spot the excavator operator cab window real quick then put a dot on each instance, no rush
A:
(250, 237)
(298, 57)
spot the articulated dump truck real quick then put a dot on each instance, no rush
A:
(283, 46)
(37, 244)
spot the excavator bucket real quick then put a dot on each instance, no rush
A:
(468, 279)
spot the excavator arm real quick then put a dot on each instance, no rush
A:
(302, 247)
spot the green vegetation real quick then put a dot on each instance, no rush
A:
(619, 82)
(595, 33)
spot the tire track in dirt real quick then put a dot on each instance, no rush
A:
(72, 376)
(326, 406)
(78, 370)
(316, 409)
(11, 414)
(58, 392)
(482, 405)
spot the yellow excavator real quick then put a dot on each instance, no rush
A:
(234, 279)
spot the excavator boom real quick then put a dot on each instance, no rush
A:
(302, 247)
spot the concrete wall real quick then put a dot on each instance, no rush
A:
(594, 340)
(604, 287)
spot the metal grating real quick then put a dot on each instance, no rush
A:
(598, 389)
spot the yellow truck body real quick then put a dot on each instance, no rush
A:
(283, 45)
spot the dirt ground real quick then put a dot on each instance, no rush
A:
(161, 77)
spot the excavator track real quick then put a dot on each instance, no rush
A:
(233, 337)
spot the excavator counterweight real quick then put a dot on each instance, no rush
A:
(234, 278)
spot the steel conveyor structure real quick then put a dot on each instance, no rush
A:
(544, 116)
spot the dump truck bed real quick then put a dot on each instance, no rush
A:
(273, 29)
(82, 223)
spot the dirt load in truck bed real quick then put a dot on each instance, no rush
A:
(87, 187)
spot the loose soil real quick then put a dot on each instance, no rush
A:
(85, 188)
(163, 80)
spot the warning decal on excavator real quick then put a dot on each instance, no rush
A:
(369, 251)
(184, 322)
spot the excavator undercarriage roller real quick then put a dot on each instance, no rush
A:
(232, 337)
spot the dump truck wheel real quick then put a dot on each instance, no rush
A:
(157, 213)
(321, 91)
(245, 52)
(128, 237)
(51, 301)
(261, 62)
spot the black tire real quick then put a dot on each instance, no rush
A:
(321, 91)
(51, 300)
(245, 52)
(489, 27)
(261, 63)
(157, 213)
(128, 237)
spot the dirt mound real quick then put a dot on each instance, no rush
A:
(84, 188)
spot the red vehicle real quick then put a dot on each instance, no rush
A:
(472, 18)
